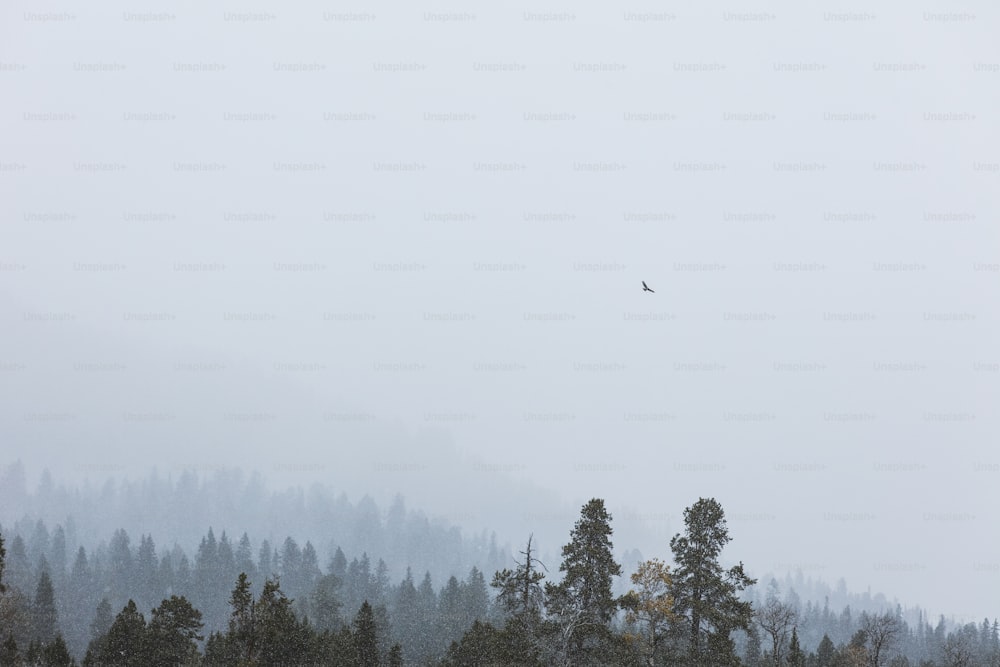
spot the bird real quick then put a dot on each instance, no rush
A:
(645, 287)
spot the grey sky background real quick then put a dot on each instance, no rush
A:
(397, 247)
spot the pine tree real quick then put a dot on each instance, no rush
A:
(266, 566)
(44, 618)
(338, 564)
(365, 637)
(244, 557)
(483, 646)
(173, 632)
(120, 572)
(582, 603)
(395, 656)
(291, 566)
(796, 658)
(226, 559)
(475, 598)
(278, 631)
(450, 614)
(519, 591)
(242, 621)
(55, 654)
(406, 614)
(147, 570)
(705, 596)
(325, 604)
(57, 556)
(826, 652)
(102, 620)
(521, 596)
(309, 571)
(124, 645)
(18, 567)
(424, 647)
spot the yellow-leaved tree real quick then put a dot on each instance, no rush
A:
(649, 607)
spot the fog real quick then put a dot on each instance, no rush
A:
(399, 250)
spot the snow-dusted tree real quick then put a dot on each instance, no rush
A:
(706, 596)
(881, 632)
(581, 605)
(650, 607)
(776, 619)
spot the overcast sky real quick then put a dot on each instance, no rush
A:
(399, 247)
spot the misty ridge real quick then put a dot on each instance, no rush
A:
(324, 580)
(579, 335)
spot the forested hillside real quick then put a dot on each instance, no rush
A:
(238, 602)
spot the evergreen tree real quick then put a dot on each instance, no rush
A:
(582, 604)
(57, 557)
(425, 646)
(219, 652)
(484, 646)
(56, 654)
(826, 652)
(450, 614)
(9, 654)
(33, 656)
(279, 632)
(18, 567)
(266, 566)
(226, 559)
(44, 618)
(124, 645)
(796, 658)
(102, 619)
(475, 598)
(365, 637)
(324, 603)
(146, 566)
(406, 614)
(244, 557)
(120, 571)
(753, 656)
(242, 621)
(173, 632)
(379, 589)
(338, 564)
(521, 596)
(395, 656)
(99, 627)
(291, 566)
(3, 555)
(705, 596)
(81, 602)
(309, 569)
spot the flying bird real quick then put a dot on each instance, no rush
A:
(645, 287)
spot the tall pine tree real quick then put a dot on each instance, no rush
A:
(582, 604)
(365, 638)
(706, 596)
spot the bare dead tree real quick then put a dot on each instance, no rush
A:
(776, 619)
(881, 632)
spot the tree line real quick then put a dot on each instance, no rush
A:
(692, 612)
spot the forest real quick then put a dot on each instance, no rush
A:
(235, 601)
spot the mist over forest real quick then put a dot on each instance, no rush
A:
(328, 580)
(479, 335)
